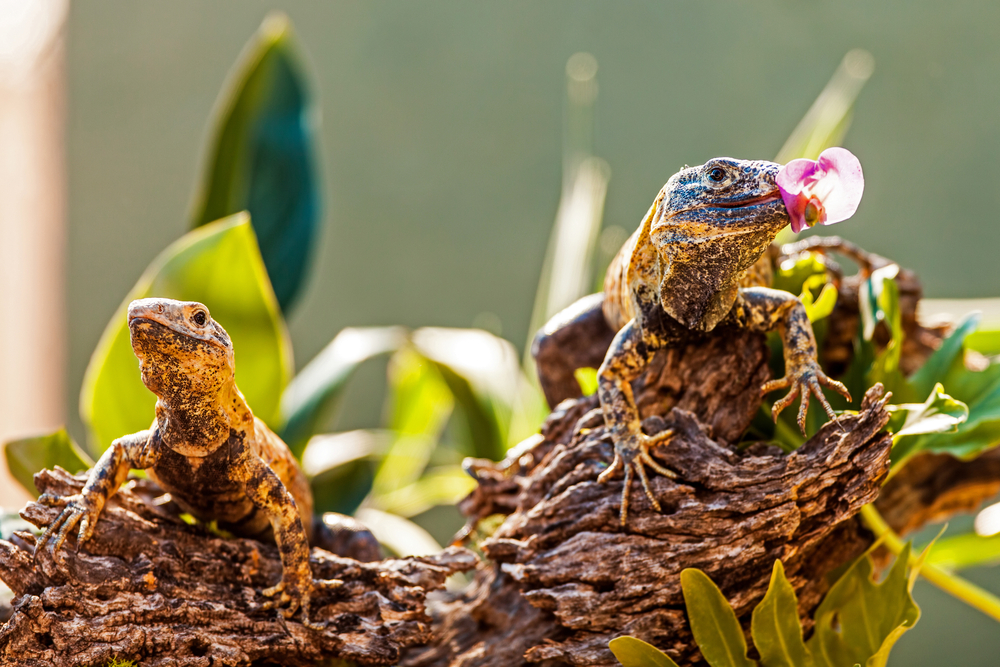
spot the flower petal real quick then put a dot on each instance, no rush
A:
(848, 183)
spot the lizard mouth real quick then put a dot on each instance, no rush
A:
(748, 203)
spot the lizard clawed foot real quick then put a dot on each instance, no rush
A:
(78, 509)
(806, 379)
(293, 595)
(633, 452)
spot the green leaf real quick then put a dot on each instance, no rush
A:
(400, 536)
(881, 291)
(827, 120)
(26, 456)
(823, 305)
(632, 652)
(966, 550)
(445, 485)
(484, 376)
(775, 626)
(420, 404)
(312, 397)
(713, 622)
(218, 265)
(587, 377)
(940, 413)
(341, 468)
(859, 620)
(943, 360)
(261, 158)
(984, 341)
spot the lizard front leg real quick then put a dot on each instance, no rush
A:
(130, 451)
(763, 309)
(628, 356)
(296, 587)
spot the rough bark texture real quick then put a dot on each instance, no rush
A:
(584, 580)
(152, 588)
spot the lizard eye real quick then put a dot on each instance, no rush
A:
(199, 318)
(717, 174)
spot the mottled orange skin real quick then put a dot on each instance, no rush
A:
(205, 447)
(694, 264)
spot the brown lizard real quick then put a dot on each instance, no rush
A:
(696, 262)
(207, 450)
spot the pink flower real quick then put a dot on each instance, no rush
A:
(823, 191)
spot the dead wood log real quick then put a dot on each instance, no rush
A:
(583, 580)
(149, 587)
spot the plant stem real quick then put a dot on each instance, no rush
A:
(964, 590)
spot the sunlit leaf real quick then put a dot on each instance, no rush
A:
(587, 377)
(569, 255)
(438, 486)
(775, 626)
(399, 535)
(26, 456)
(881, 291)
(341, 468)
(313, 395)
(859, 620)
(218, 265)
(827, 120)
(261, 157)
(484, 376)
(985, 341)
(966, 550)
(951, 351)
(420, 404)
(821, 306)
(632, 652)
(713, 622)
(940, 413)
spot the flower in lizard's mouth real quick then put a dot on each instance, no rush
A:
(823, 191)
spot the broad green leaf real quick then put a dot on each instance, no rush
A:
(819, 307)
(940, 413)
(859, 620)
(793, 274)
(341, 468)
(438, 486)
(587, 377)
(420, 404)
(218, 265)
(26, 456)
(775, 626)
(312, 396)
(943, 360)
(399, 535)
(966, 550)
(262, 159)
(632, 652)
(484, 376)
(713, 622)
(985, 341)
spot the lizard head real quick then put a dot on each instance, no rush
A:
(709, 225)
(182, 351)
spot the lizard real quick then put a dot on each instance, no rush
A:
(216, 459)
(697, 261)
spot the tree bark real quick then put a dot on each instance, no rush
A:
(149, 587)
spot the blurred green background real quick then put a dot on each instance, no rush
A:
(442, 126)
